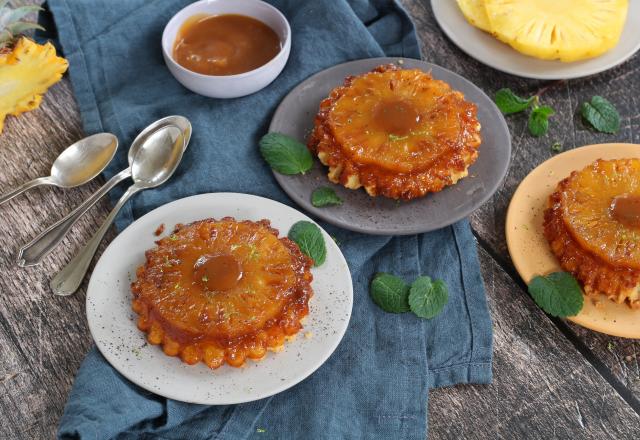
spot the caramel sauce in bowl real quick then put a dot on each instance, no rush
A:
(226, 48)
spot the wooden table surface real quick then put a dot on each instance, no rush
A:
(552, 379)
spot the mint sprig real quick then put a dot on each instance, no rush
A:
(539, 120)
(510, 103)
(425, 298)
(558, 294)
(309, 239)
(285, 154)
(390, 293)
(325, 196)
(601, 114)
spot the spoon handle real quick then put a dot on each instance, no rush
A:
(67, 281)
(33, 252)
(25, 186)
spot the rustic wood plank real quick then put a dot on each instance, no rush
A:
(618, 85)
(543, 388)
(43, 338)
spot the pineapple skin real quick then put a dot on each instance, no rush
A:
(565, 30)
(26, 73)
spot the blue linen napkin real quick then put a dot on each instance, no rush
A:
(376, 383)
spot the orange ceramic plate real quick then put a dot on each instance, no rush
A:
(529, 249)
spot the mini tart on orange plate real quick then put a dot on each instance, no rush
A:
(221, 291)
(592, 225)
(396, 132)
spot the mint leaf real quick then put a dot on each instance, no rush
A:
(427, 298)
(325, 196)
(558, 294)
(285, 154)
(309, 239)
(556, 147)
(508, 102)
(390, 293)
(601, 114)
(539, 120)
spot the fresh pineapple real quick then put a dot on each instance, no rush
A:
(475, 13)
(568, 30)
(27, 69)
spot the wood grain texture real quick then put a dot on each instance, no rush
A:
(544, 387)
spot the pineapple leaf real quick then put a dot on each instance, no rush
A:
(10, 16)
(21, 26)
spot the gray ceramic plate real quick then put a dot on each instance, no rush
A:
(380, 215)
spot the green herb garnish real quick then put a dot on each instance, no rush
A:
(508, 102)
(390, 293)
(395, 137)
(539, 120)
(325, 196)
(601, 114)
(556, 147)
(285, 154)
(558, 294)
(427, 298)
(309, 239)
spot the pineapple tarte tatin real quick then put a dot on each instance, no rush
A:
(396, 132)
(593, 227)
(221, 291)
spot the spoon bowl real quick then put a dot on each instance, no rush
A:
(158, 157)
(76, 165)
(84, 160)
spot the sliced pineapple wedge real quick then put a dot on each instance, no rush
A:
(26, 72)
(475, 13)
(568, 30)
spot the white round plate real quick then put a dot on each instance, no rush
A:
(113, 323)
(488, 50)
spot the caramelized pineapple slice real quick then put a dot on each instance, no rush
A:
(568, 30)
(26, 72)
(588, 199)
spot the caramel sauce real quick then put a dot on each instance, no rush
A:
(217, 273)
(224, 44)
(626, 210)
(395, 117)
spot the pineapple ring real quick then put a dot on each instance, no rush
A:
(399, 133)
(568, 30)
(586, 199)
(619, 284)
(254, 310)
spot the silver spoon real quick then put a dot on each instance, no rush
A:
(33, 252)
(153, 165)
(76, 165)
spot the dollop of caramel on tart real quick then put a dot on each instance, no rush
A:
(396, 132)
(593, 226)
(221, 291)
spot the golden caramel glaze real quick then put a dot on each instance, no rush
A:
(399, 133)
(618, 282)
(588, 199)
(221, 291)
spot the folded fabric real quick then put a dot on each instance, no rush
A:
(376, 383)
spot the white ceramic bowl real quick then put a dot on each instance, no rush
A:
(229, 86)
